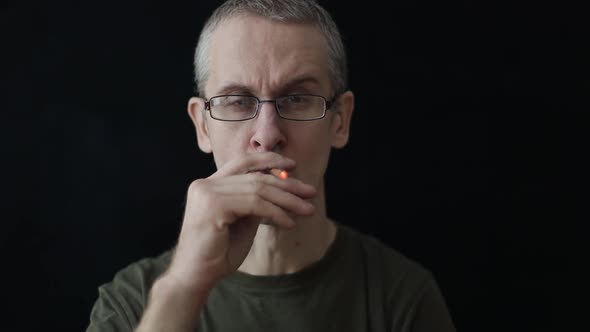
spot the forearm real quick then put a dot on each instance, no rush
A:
(171, 308)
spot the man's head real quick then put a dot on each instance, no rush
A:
(269, 49)
(293, 11)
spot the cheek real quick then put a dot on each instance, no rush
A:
(312, 152)
(320, 139)
(227, 143)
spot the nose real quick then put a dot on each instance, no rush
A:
(267, 132)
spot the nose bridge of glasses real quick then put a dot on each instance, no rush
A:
(273, 102)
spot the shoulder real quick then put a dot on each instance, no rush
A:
(141, 274)
(401, 291)
(122, 300)
(385, 265)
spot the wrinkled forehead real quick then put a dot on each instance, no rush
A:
(266, 56)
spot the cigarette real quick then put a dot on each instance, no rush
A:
(279, 173)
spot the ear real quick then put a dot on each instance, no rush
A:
(196, 107)
(340, 126)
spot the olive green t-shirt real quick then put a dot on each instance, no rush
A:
(359, 285)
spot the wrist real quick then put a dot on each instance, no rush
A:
(169, 285)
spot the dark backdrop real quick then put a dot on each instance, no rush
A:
(465, 150)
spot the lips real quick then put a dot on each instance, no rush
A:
(280, 173)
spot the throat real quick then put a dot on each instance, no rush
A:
(278, 251)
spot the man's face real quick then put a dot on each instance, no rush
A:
(254, 56)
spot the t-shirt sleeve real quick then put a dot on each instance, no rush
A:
(431, 312)
(108, 314)
(121, 302)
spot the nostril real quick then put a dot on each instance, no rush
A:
(267, 136)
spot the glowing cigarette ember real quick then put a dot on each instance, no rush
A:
(279, 173)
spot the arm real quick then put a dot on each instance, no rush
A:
(221, 219)
(171, 307)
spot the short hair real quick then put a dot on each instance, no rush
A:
(297, 11)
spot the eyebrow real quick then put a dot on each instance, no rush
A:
(233, 87)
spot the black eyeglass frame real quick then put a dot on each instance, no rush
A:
(327, 105)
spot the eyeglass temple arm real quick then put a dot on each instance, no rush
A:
(330, 103)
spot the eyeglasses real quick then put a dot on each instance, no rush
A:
(299, 107)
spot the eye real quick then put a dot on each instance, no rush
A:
(238, 102)
(294, 99)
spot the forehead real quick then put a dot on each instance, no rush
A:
(265, 55)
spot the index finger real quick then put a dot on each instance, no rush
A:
(254, 162)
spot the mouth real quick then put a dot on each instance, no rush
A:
(279, 173)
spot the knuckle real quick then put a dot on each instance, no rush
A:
(259, 188)
(199, 188)
(195, 186)
(257, 183)
(253, 201)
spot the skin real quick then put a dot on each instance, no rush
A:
(240, 218)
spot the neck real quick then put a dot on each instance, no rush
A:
(277, 251)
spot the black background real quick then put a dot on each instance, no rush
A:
(465, 153)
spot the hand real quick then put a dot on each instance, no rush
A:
(223, 213)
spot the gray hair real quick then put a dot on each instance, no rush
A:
(299, 11)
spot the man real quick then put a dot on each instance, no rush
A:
(257, 250)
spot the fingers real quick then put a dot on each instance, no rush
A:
(257, 206)
(242, 187)
(289, 199)
(286, 200)
(261, 195)
(254, 162)
(256, 182)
